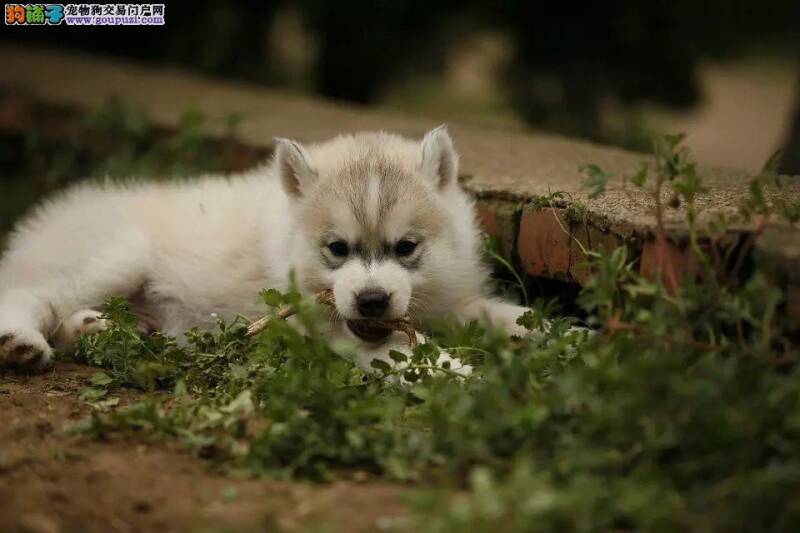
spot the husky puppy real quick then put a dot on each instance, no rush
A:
(378, 218)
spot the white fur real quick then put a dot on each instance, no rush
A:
(190, 249)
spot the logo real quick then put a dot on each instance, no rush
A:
(85, 14)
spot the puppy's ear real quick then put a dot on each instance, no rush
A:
(295, 167)
(439, 161)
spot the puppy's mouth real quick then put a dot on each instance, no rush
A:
(369, 330)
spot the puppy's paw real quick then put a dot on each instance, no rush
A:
(398, 342)
(26, 348)
(78, 324)
(454, 364)
(516, 330)
(86, 322)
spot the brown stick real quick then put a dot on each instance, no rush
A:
(326, 297)
(256, 327)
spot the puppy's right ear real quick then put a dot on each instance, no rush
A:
(295, 167)
(439, 160)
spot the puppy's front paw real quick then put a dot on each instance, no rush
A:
(78, 324)
(454, 364)
(516, 330)
(25, 348)
(398, 342)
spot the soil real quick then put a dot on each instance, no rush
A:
(54, 481)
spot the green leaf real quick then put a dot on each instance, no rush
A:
(272, 297)
(243, 403)
(101, 379)
(381, 365)
(640, 178)
(91, 394)
(104, 404)
(398, 357)
(423, 393)
(230, 493)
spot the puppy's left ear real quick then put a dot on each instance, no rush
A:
(295, 167)
(439, 161)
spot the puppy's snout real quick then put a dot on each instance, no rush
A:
(372, 303)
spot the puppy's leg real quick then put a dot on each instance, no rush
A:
(44, 298)
(24, 316)
(85, 322)
(504, 315)
(398, 341)
(27, 321)
(495, 313)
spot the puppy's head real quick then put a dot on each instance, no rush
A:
(379, 219)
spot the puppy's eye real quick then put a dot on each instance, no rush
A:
(404, 248)
(339, 248)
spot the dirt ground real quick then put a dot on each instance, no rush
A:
(51, 481)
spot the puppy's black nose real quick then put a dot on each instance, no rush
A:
(372, 303)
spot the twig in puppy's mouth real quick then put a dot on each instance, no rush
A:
(368, 329)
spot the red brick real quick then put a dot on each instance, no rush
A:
(592, 240)
(676, 260)
(543, 245)
(488, 218)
